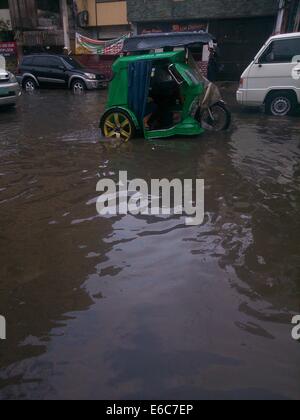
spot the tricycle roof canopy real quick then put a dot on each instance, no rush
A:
(164, 40)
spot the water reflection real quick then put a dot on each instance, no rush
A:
(135, 307)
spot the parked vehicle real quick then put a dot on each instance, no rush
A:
(9, 89)
(273, 78)
(57, 70)
(162, 94)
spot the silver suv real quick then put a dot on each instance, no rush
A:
(9, 88)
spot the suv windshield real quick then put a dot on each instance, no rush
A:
(71, 63)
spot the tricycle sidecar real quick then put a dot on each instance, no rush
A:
(158, 93)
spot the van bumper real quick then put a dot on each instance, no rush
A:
(95, 84)
(241, 97)
(251, 98)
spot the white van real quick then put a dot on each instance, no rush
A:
(273, 78)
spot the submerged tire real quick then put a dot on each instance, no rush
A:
(29, 84)
(78, 86)
(281, 104)
(117, 124)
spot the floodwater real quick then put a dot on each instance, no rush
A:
(136, 307)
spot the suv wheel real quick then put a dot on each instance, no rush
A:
(78, 86)
(29, 84)
(281, 104)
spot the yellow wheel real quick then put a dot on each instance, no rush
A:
(117, 124)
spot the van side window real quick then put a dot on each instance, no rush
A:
(281, 51)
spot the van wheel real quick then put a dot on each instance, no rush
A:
(117, 124)
(281, 104)
(29, 84)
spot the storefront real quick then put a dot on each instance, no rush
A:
(153, 27)
(241, 28)
(239, 41)
(235, 37)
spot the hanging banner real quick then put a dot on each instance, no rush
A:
(89, 46)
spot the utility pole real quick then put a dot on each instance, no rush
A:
(297, 21)
(280, 17)
(65, 22)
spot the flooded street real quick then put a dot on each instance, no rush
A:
(136, 307)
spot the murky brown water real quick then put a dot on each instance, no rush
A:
(135, 307)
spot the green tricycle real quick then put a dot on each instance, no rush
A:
(158, 90)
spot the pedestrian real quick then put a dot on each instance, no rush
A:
(213, 65)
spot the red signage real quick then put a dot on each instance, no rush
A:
(8, 49)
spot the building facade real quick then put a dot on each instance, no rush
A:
(103, 19)
(241, 27)
(8, 46)
(5, 22)
(288, 16)
(41, 25)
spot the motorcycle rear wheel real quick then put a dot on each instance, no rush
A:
(216, 118)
